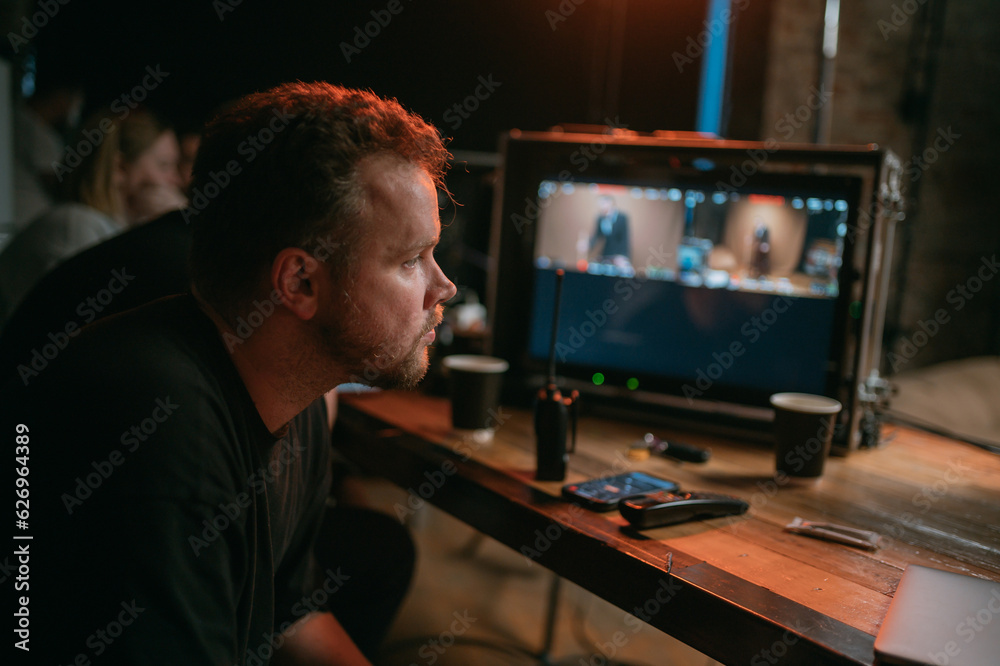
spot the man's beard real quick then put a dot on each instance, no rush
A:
(370, 359)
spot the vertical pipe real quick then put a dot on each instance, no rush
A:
(712, 92)
(831, 29)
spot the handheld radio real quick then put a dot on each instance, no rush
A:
(554, 413)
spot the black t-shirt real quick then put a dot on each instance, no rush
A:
(168, 525)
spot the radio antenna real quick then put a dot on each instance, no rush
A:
(555, 326)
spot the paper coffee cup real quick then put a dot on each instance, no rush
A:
(475, 383)
(803, 430)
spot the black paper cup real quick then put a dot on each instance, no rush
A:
(475, 390)
(803, 430)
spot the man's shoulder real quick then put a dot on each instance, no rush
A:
(168, 338)
(127, 270)
(166, 333)
(154, 386)
(157, 250)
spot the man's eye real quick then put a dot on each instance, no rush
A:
(412, 262)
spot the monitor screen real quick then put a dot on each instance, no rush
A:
(690, 282)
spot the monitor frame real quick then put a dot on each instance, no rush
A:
(529, 158)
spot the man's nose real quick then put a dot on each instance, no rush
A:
(441, 291)
(447, 291)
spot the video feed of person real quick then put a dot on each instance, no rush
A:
(751, 242)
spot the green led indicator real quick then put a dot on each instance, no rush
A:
(856, 309)
(632, 383)
(598, 378)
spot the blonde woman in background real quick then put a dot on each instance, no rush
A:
(120, 172)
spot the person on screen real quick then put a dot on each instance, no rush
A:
(760, 251)
(610, 241)
(177, 501)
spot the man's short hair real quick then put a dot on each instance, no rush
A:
(279, 169)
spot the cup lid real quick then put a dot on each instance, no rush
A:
(806, 402)
(475, 363)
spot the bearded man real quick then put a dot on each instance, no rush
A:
(174, 508)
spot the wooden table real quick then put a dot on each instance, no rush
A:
(740, 589)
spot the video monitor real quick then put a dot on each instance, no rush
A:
(687, 284)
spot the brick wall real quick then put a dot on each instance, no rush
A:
(952, 231)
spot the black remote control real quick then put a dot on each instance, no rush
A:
(666, 508)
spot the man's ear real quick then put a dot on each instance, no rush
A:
(298, 279)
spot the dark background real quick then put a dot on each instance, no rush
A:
(429, 56)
